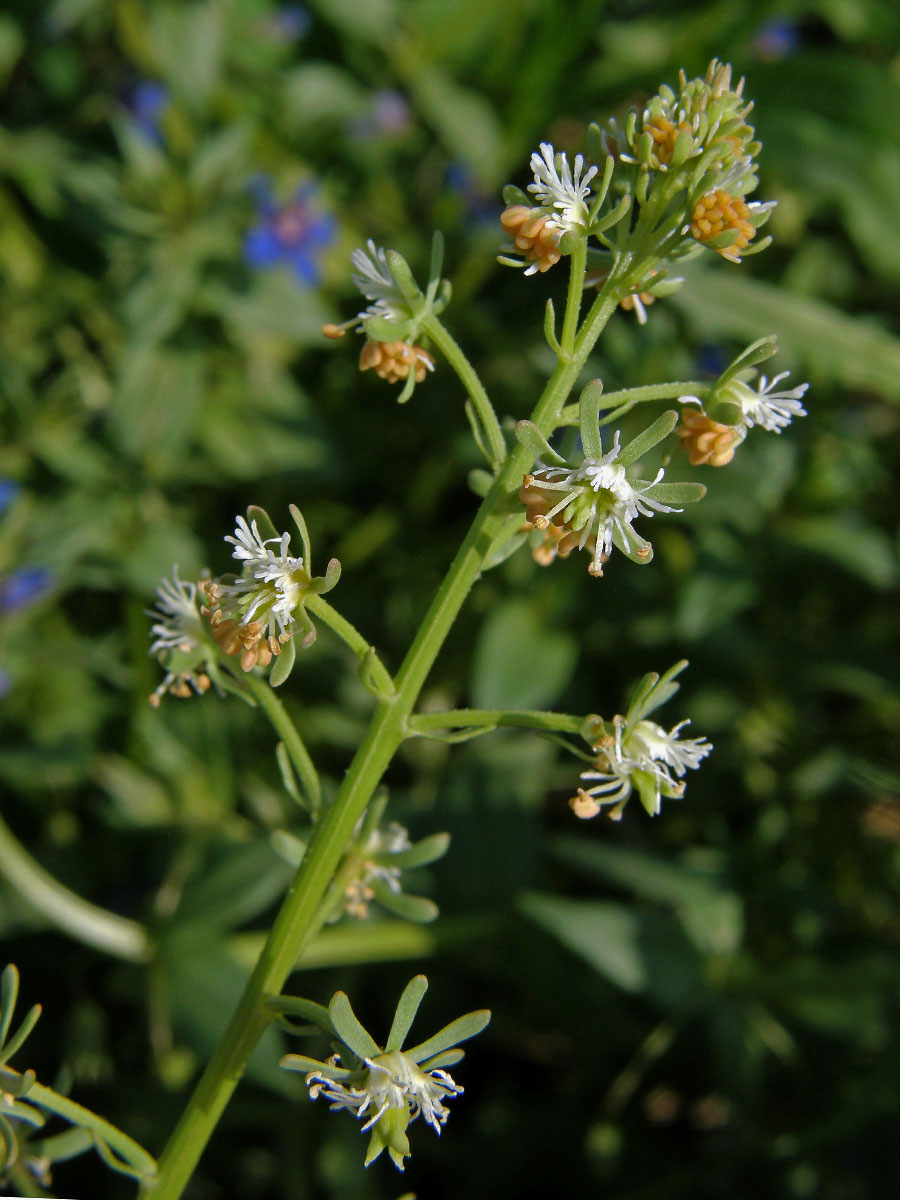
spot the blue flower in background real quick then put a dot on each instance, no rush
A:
(9, 489)
(388, 115)
(145, 102)
(25, 586)
(481, 207)
(288, 23)
(775, 39)
(290, 234)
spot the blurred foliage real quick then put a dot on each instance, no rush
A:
(701, 1003)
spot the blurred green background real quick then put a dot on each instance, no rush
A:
(703, 1002)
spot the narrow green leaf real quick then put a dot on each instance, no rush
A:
(451, 1035)
(437, 258)
(643, 689)
(403, 276)
(349, 1029)
(407, 1007)
(589, 418)
(529, 436)
(62, 1146)
(645, 441)
(288, 778)
(635, 545)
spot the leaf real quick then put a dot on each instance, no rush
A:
(299, 1062)
(428, 850)
(407, 1007)
(519, 662)
(414, 908)
(240, 885)
(297, 1006)
(677, 493)
(529, 436)
(862, 550)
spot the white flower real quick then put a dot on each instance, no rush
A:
(372, 276)
(770, 409)
(177, 624)
(272, 583)
(644, 754)
(607, 502)
(392, 1081)
(556, 187)
(359, 891)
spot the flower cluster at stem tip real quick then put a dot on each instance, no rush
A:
(385, 1087)
(254, 614)
(674, 180)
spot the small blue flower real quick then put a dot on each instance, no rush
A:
(291, 234)
(288, 23)
(9, 489)
(481, 207)
(23, 588)
(775, 39)
(146, 102)
(388, 115)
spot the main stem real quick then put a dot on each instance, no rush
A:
(386, 731)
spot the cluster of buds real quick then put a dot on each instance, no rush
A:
(715, 425)
(397, 313)
(639, 755)
(385, 1087)
(393, 361)
(593, 504)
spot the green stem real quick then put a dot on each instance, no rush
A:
(125, 1147)
(573, 298)
(640, 395)
(454, 355)
(334, 832)
(473, 718)
(287, 731)
(352, 638)
(65, 909)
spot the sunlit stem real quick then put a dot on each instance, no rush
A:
(639, 395)
(454, 355)
(352, 638)
(335, 830)
(473, 718)
(286, 729)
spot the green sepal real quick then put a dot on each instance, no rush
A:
(676, 493)
(9, 994)
(645, 441)
(529, 436)
(349, 1029)
(428, 850)
(589, 404)
(514, 195)
(299, 1062)
(418, 909)
(664, 690)
(382, 329)
(722, 240)
(451, 1035)
(407, 1007)
(309, 1010)
(15, 1084)
(635, 543)
(303, 530)
(684, 144)
(332, 575)
(447, 1058)
(756, 353)
(403, 277)
(17, 1040)
(60, 1147)
(389, 1133)
(263, 522)
(408, 388)
(480, 482)
(283, 664)
(723, 410)
(647, 791)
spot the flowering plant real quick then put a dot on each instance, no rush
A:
(668, 183)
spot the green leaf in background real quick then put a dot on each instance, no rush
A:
(518, 661)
